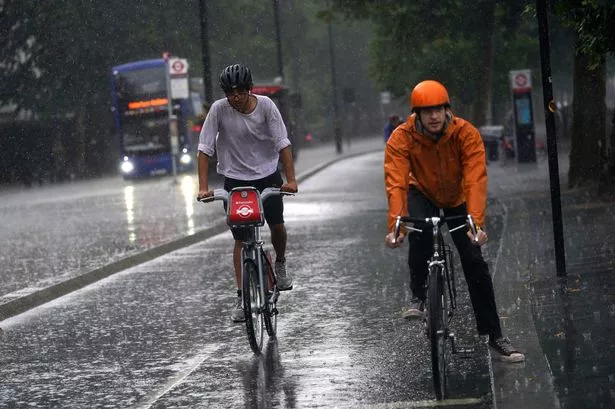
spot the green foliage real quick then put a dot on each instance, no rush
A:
(446, 40)
(593, 22)
(56, 55)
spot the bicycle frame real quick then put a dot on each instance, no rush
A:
(252, 249)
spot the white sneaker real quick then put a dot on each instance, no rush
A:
(285, 281)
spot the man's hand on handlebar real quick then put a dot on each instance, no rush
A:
(290, 187)
(393, 242)
(204, 194)
(480, 238)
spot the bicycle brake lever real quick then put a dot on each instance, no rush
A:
(396, 229)
(473, 228)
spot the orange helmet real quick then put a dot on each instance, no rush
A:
(428, 94)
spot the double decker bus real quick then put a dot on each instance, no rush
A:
(141, 114)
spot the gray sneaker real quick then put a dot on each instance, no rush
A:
(285, 281)
(415, 310)
(504, 350)
(237, 315)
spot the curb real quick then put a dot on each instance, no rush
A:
(24, 303)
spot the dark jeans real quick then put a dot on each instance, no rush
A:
(475, 268)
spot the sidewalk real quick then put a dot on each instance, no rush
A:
(79, 233)
(565, 325)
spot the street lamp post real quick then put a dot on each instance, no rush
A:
(209, 97)
(550, 107)
(278, 40)
(337, 126)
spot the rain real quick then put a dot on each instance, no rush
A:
(117, 285)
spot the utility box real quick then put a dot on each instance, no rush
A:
(492, 138)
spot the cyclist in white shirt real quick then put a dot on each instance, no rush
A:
(248, 136)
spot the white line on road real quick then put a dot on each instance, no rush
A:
(445, 403)
(192, 364)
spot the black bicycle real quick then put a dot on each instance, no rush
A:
(259, 283)
(441, 294)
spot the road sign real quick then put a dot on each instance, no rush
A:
(385, 97)
(178, 78)
(178, 66)
(520, 80)
(180, 88)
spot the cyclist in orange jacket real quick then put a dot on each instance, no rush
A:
(435, 161)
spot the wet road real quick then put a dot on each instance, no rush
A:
(43, 240)
(158, 335)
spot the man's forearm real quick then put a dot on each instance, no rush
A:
(203, 165)
(286, 156)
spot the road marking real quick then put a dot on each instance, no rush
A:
(193, 364)
(445, 403)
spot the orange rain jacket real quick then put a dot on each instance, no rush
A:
(449, 172)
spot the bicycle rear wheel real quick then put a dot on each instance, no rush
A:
(271, 312)
(437, 331)
(252, 306)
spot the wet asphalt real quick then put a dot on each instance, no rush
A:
(158, 335)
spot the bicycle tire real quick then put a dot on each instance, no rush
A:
(271, 313)
(436, 311)
(252, 306)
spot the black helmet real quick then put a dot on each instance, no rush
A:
(235, 76)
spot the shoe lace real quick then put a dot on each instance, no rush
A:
(238, 304)
(280, 268)
(505, 345)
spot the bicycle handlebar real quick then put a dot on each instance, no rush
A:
(433, 222)
(221, 194)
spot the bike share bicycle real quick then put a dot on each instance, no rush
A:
(244, 209)
(441, 294)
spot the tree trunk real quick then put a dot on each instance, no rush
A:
(610, 157)
(588, 122)
(482, 114)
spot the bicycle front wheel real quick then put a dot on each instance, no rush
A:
(437, 331)
(252, 306)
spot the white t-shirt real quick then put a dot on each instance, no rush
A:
(247, 145)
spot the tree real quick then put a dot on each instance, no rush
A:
(452, 41)
(592, 155)
(55, 56)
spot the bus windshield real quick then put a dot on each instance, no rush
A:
(142, 85)
(146, 132)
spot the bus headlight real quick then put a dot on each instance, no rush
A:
(127, 166)
(185, 159)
